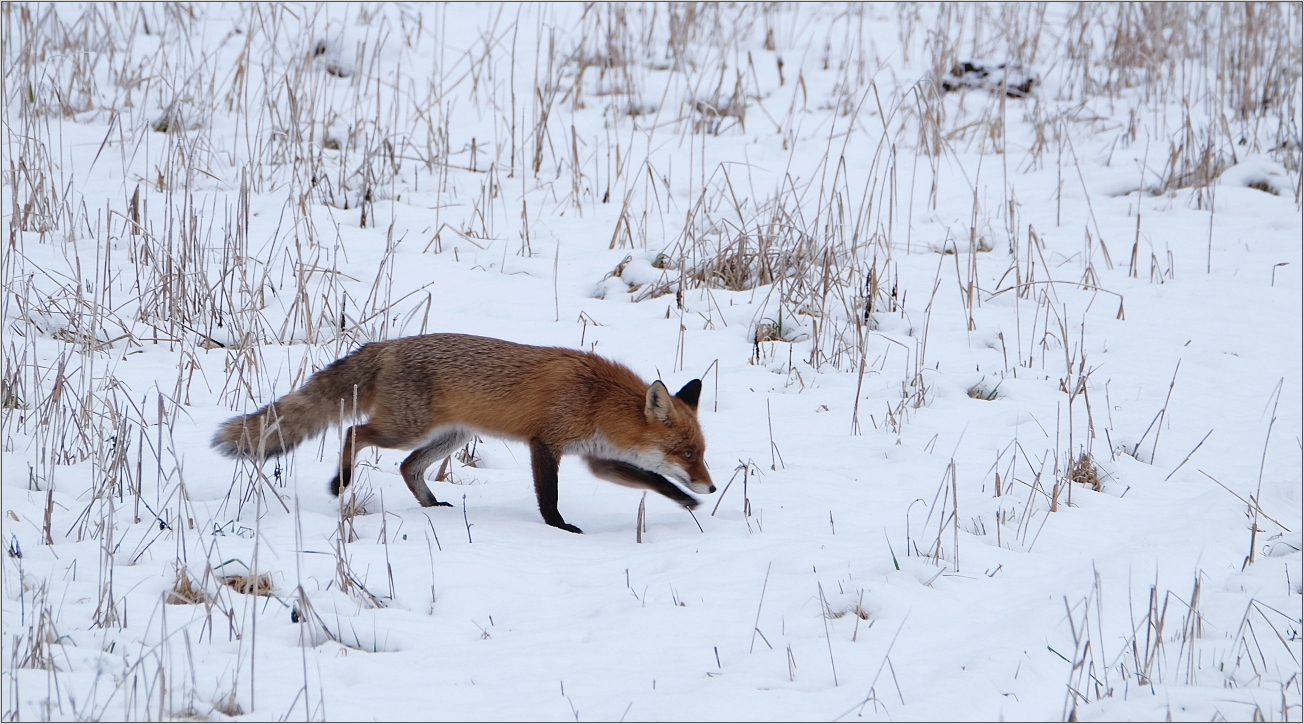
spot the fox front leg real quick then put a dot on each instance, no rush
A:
(544, 462)
(622, 473)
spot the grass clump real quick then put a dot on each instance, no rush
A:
(981, 392)
(185, 592)
(1083, 470)
(1265, 187)
(260, 585)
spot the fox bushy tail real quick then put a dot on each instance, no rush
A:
(328, 397)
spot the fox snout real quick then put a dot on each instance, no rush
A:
(704, 488)
(693, 474)
(694, 477)
(699, 479)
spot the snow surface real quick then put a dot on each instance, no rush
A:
(835, 576)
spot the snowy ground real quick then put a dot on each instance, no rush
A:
(1002, 391)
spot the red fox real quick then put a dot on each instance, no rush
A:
(432, 393)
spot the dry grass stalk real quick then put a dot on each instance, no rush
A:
(33, 650)
(353, 503)
(640, 523)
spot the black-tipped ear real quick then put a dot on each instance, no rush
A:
(690, 393)
(657, 405)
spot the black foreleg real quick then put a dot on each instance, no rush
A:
(544, 462)
(632, 476)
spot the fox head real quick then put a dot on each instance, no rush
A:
(678, 448)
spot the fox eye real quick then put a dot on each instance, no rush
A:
(688, 455)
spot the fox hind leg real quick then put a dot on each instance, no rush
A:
(357, 439)
(414, 467)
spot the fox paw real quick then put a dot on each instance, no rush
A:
(566, 527)
(432, 503)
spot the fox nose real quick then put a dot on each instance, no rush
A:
(711, 489)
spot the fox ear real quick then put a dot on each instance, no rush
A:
(658, 405)
(690, 393)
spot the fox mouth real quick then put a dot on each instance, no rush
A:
(703, 488)
(682, 478)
